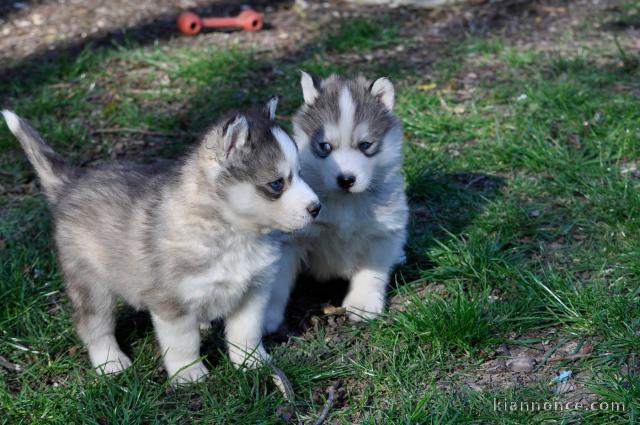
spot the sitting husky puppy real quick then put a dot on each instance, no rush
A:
(351, 154)
(190, 243)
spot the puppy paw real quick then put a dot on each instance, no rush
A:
(190, 374)
(114, 361)
(363, 306)
(249, 360)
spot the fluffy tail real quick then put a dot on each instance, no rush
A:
(53, 169)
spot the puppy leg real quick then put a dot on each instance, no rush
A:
(95, 322)
(179, 339)
(281, 288)
(243, 329)
(367, 290)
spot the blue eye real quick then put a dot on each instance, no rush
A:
(277, 185)
(364, 146)
(325, 148)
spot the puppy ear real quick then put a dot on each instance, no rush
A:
(310, 87)
(236, 134)
(270, 107)
(382, 88)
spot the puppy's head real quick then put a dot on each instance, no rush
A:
(348, 135)
(254, 166)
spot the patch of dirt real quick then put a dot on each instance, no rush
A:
(535, 359)
(35, 28)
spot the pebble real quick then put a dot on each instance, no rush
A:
(564, 387)
(22, 23)
(521, 364)
(119, 148)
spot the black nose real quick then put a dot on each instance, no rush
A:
(345, 181)
(314, 209)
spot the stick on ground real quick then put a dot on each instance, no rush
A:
(333, 389)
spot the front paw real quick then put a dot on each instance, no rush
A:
(112, 362)
(363, 305)
(249, 360)
(190, 374)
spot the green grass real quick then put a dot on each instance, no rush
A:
(524, 220)
(362, 34)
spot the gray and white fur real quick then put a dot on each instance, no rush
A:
(351, 154)
(190, 242)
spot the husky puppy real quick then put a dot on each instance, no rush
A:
(351, 154)
(190, 242)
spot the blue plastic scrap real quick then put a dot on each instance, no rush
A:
(563, 376)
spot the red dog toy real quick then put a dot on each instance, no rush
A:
(249, 20)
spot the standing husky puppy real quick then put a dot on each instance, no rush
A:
(190, 243)
(351, 154)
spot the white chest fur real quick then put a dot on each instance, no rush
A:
(340, 241)
(234, 265)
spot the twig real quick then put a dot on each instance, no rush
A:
(329, 403)
(282, 382)
(571, 357)
(475, 180)
(135, 131)
(14, 367)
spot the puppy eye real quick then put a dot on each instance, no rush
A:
(277, 185)
(364, 146)
(325, 148)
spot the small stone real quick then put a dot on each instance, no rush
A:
(503, 350)
(564, 387)
(302, 4)
(22, 23)
(521, 364)
(474, 386)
